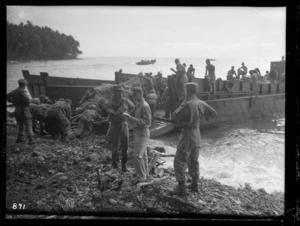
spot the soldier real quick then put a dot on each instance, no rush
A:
(210, 76)
(20, 99)
(38, 112)
(188, 117)
(182, 79)
(141, 124)
(191, 73)
(58, 119)
(87, 119)
(118, 130)
(166, 101)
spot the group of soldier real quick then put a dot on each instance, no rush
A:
(54, 118)
(122, 113)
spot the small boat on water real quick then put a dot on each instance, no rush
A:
(233, 100)
(146, 62)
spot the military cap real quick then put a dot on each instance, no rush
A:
(191, 86)
(137, 89)
(22, 82)
(117, 88)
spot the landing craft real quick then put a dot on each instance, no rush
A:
(234, 100)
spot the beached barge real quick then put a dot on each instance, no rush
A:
(233, 100)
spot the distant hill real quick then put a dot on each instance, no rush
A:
(29, 42)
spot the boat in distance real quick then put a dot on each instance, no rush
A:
(146, 62)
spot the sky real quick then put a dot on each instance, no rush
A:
(210, 32)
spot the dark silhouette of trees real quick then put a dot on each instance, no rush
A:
(29, 42)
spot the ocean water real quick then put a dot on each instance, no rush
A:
(105, 67)
(252, 152)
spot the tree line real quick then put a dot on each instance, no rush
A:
(29, 42)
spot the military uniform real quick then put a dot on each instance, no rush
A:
(58, 119)
(38, 112)
(118, 133)
(182, 79)
(141, 124)
(188, 117)
(152, 99)
(20, 99)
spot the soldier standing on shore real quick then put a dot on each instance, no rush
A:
(118, 130)
(141, 124)
(188, 117)
(20, 99)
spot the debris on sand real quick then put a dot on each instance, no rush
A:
(62, 177)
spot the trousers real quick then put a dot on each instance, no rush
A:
(25, 125)
(119, 139)
(187, 154)
(140, 156)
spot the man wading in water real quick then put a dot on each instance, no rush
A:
(188, 117)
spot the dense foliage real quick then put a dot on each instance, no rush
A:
(29, 42)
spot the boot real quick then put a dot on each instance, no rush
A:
(20, 140)
(180, 190)
(194, 185)
(115, 165)
(31, 140)
(124, 169)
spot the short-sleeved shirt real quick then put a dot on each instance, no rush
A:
(143, 114)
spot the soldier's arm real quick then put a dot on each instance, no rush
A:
(69, 112)
(26, 98)
(9, 97)
(145, 119)
(209, 112)
(130, 105)
(181, 112)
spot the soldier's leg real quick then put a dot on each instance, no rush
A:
(80, 127)
(29, 131)
(193, 166)
(124, 145)
(180, 164)
(139, 157)
(115, 142)
(124, 141)
(64, 126)
(21, 130)
(181, 158)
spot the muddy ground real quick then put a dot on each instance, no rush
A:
(53, 179)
